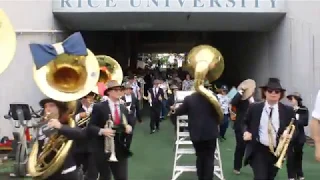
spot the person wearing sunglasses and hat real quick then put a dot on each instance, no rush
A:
(224, 101)
(295, 150)
(83, 153)
(131, 102)
(241, 101)
(59, 116)
(101, 113)
(265, 122)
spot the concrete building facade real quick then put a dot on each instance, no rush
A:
(289, 50)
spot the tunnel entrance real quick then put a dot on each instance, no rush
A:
(244, 52)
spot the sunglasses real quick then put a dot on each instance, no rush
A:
(277, 91)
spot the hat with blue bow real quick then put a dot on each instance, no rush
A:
(65, 71)
(8, 41)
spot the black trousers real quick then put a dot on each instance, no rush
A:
(239, 151)
(155, 117)
(205, 158)
(86, 159)
(130, 136)
(119, 169)
(294, 160)
(69, 176)
(262, 163)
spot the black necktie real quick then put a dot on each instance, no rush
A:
(270, 114)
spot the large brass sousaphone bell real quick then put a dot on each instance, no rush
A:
(110, 69)
(206, 62)
(67, 77)
(8, 41)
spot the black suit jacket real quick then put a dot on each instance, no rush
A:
(99, 116)
(156, 103)
(301, 122)
(242, 107)
(252, 123)
(202, 119)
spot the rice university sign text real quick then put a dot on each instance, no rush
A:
(167, 5)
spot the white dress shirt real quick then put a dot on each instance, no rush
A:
(316, 110)
(128, 98)
(155, 91)
(264, 124)
(135, 89)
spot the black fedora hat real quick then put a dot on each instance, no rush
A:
(62, 106)
(296, 95)
(273, 83)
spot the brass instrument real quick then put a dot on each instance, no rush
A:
(110, 69)
(68, 77)
(283, 145)
(54, 151)
(109, 146)
(206, 62)
(172, 111)
(8, 41)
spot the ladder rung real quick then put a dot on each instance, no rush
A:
(185, 117)
(184, 134)
(186, 151)
(183, 125)
(183, 142)
(186, 168)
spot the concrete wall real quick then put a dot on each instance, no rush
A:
(17, 83)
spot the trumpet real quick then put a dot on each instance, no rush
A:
(85, 120)
(109, 146)
(282, 148)
(172, 111)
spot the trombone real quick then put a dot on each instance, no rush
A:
(283, 145)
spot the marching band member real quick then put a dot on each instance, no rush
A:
(315, 126)
(264, 123)
(171, 105)
(131, 103)
(155, 97)
(203, 127)
(83, 154)
(137, 92)
(224, 101)
(295, 150)
(60, 109)
(101, 113)
(241, 102)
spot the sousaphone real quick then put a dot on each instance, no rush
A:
(109, 69)
(69, 75)
(206, 63)
(8, 41)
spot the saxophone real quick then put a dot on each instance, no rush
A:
(109, 146)
(206, 62)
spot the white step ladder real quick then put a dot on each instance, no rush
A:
(184, 147)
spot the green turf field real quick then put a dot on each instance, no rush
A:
(153, 157)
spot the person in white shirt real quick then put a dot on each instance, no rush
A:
(225, 103)
(164, 86)
(315, 126)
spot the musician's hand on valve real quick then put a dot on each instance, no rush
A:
(54, 123)
(128, 129)
(83, 114)
(286, 134)
(108, 132)
(247, 136)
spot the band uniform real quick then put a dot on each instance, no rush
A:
(295, 150)
(83, 153)
(156, 95)
(131, 102)
(264, 124)
(69, 168)
(96, 129)
(203, 127)
(171, 102)
(241, 102)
